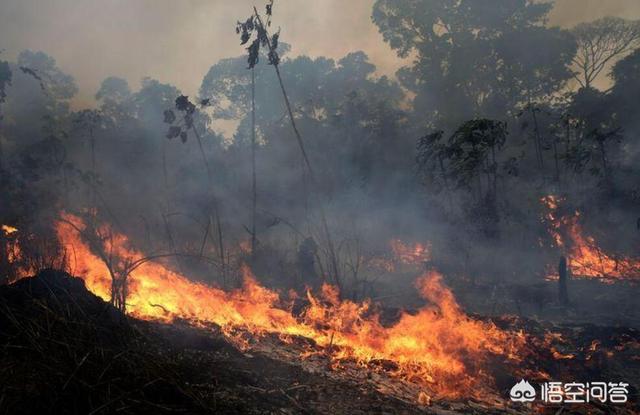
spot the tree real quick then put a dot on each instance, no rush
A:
(468, 161)
(5, 79)
(471, 60)
(600, 43)
(32, 160)
(90, 122)
(563, 294)
(626, 90)
(113, 89)
(262, 39)
(180, 127)
(596, 129)
(469, 153)
(59, 85)
(114, 97)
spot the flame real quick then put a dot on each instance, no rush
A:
(424, 399)
(585, 258)
(381, 264)
(417, 253)
(438, 347)
(8, 229)
(402, 256)
(245, 246)
(13, 253)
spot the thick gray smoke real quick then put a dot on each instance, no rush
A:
(501, 119)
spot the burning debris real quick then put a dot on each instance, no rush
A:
(416, 253)
(8, 230)
(438, 346)
(425, 357)
(585, 258)
(308, 235)
(64, 347)
(198, 362)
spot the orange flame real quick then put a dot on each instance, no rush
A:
(585, 258)
(13, 253)
(8, 229)
(439, 346)
(410, 253)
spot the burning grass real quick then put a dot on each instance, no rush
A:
(66, 351)
(435, 355)
(438, 346)
(586, 259)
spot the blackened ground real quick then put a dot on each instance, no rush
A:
(65, 351)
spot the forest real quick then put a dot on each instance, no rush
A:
(422, 228)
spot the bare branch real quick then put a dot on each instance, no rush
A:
(600, 43)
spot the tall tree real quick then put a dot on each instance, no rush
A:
(626, 90)
(474, 58)
(600, 43)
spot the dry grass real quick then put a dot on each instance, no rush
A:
(66, 351)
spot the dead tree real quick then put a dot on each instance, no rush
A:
(255, 23)
(254, 189)
(180, 128)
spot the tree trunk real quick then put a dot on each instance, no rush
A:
(563, 294)
(555, 159)
(254, 192)
(538, 140)
(605, 165)
(4, 259)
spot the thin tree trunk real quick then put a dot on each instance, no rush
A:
(323, 217)
(555, 159)
(563, 292)
(165, 217)
(94, 196)
(1, 152)
(5, 273)
(605, 165)
(254, 191)
(537, 136)
(494, 168)
(216, 208)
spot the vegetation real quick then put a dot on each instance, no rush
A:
(484, 121)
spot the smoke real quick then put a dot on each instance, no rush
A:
(359, 134)
(568, 13)
(177, 42)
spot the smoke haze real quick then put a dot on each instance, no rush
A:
(177, 42)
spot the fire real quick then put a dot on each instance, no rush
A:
(8, 230)
(403, 256)
(13, 253)
(410, 253)
(245, 246)
(438, 347)
(585, 258)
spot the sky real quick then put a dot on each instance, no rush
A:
(178, 41)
